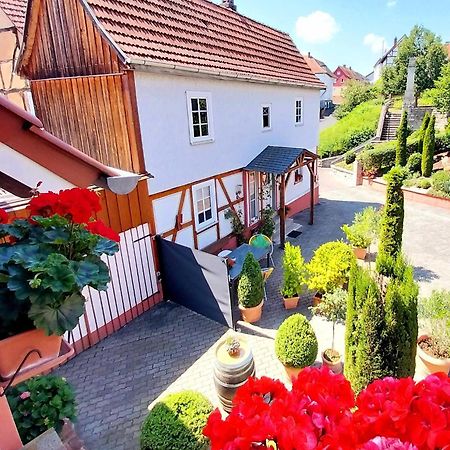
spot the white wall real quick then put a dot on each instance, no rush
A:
(28, 172)
(328, 82)
(236, 109)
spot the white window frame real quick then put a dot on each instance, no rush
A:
(266, 105)
(213, 220)
(255, 218)
(299, 99)
(196, 95)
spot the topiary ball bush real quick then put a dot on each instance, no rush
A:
(296, 343)
(251, 283)
(414, 163)
(350, 157)
(41, 403)
(177, 422)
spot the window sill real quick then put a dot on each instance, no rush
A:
(202, 141)
(299, 124)
(202, 228)
(266, 129)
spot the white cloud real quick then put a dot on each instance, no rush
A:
(391, 3)
(316, 28)
(374, 42)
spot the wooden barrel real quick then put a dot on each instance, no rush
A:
(231, 372)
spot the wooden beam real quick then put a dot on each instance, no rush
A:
(283, 210)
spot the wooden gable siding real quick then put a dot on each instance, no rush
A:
(67, 43)
(94, 114)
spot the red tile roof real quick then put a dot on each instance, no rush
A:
(198, 34)
(16, 11)
(351, 74)
(317, 66)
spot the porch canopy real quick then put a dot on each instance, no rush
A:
(281, 162)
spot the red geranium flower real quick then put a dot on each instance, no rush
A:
(99, 228)
(44, 205)
(383, 443)
(3, 216)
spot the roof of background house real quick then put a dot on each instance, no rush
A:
(16, 11)
(24, 133)
(317, 66)
(201, 35)
(350, 73)
(447, 48)
(386, 53)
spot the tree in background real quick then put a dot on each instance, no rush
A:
(402, 135)
(393, 216)
(423, 128)
(430, 56)
(429, 144)
(354, 93)
(441, 92)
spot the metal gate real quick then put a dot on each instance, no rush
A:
(196, 280)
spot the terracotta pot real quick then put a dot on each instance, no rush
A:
(252, 315)
(335, 367)
(317, 298)
(291, 302)
(14, 349)
(428, 364)
(292, 372)
(360, 253)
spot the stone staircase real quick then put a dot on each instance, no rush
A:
(390, 126)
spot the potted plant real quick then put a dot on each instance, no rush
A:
(45, 262)
(433, 345)
(296, 344)
(333, 308)
(363, 231)
(41, 403)
(267, 222)
(251, 290)
(329, 268)
(293, 275)
(237, 225)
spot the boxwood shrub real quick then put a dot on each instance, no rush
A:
(251, 283)
(177, 422)
(414, 163)
(41, 403)
(296, 343)
(375, 159)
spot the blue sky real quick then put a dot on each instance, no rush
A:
(350, 32)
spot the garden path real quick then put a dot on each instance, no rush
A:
(170, 348)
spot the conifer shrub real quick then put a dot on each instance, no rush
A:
(421, 134)
(402, 136)
(393, 215)
(429, 144)
(177, 422)
(294, 272)
(414, 163)
(251, 284)
(296, 343)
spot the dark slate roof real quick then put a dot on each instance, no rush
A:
(274, 159)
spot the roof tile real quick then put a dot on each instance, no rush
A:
(203, 35)
(16, 11)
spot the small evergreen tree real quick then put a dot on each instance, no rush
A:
(423, 128)
(251, 284)
(294, 271)
(402, 135)
(429, 144)
(393, 215)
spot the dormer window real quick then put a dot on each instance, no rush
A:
(200, 117)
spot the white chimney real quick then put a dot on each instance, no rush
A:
(229, 4)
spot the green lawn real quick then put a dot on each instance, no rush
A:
(357, 127)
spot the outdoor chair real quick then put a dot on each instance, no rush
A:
(262, 241)
(224, 253)
(266, 273)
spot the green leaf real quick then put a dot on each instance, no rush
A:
(30, 256)
(59, 278)
(58, 320)
(85, 272)
(106, 247)
(56, 236)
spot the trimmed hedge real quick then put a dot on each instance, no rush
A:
(350, 157)
(177, 422)
(296, 343)
(251, 284)
(414, 163)
(375, 159)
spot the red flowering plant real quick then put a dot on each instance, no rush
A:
(320, 412)
(49, 258)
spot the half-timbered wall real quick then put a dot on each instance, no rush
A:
(66, 43)
(94, 114)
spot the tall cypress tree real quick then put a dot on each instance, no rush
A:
(402, 135)
(393, 216)
(429, 144)
(423, 128)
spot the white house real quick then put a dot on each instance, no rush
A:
(191, 91)
(386, 60)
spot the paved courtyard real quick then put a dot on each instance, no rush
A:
(171, 348)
